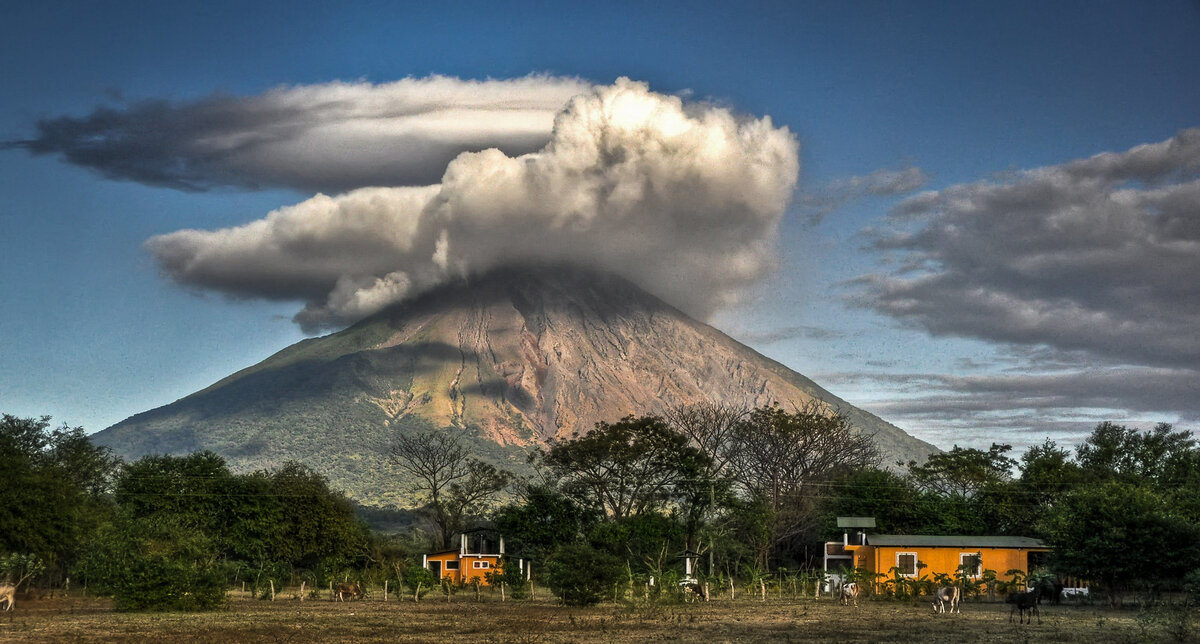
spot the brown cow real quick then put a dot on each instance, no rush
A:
(8, 593)
(340, 591)
(947, 595)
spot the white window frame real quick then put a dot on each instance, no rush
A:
(916, 561)
(481, 564)
(978, 572)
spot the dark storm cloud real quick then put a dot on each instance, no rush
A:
(1097, 255)
(331, 137)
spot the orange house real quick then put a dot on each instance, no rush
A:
(928, 555)
(478, 554)
(917, 555)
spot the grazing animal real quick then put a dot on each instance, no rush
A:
(8, 593)
(1050, 590)
(849, 593)
(947, 595)
(693, 590)
(1027, 601)
(342, 590)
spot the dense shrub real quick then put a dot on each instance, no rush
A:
(419, 580)
(581, 575)
(156, 565)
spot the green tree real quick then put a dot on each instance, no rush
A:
(963, 472)
(1162, 456)
(581, 575)
(54, 484)
(1047, 474)
(1121, 535)
(289, 516)
(156, 562)
(541, 520)
(626, 468)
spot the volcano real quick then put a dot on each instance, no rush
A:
(517, 358)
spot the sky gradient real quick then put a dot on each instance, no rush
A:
(954, 257)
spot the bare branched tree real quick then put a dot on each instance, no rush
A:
(781, 457)
(713, 428)
(455, 484)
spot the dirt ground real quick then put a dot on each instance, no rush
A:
(79, 619)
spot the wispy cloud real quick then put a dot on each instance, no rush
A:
(781, 334)
(330, 137)
(1024, 408)
(819, 201)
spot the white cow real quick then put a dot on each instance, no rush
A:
(8, 593)
(849, 593)
(947, 595)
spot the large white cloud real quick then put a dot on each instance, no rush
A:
(329, 137)
(684, 199)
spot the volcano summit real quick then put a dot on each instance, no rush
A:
(518, 357)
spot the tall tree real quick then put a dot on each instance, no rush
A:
(781, 456)
(963, 472)
(455, 485)
(1120, 534)
(626, 468)
(54, 483)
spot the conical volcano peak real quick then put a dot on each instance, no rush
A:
(518, 356)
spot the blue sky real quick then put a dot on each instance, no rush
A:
(968, 99)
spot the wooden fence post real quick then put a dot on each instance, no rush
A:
(272, 589)
(302, 584)
(385, 590)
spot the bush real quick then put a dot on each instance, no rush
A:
(418, 578)
(152, 564)
(164, 583)
(513, 579)
(581, 575)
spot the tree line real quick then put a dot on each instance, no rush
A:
(742, 492)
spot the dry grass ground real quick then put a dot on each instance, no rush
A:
(77, 619)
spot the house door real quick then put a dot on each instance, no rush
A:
(436, 568)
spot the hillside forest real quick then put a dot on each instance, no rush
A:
(751, 493)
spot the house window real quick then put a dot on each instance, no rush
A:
(971, 563)
(906, 563)
(451, 565)
(481, 564)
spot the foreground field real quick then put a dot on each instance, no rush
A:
(77, 619)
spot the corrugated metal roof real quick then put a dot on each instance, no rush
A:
(953, 541)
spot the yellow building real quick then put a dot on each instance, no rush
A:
(916, 556)
(479, 553)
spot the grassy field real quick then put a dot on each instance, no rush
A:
(78, 619)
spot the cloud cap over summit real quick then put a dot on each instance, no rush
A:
(684, 199)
